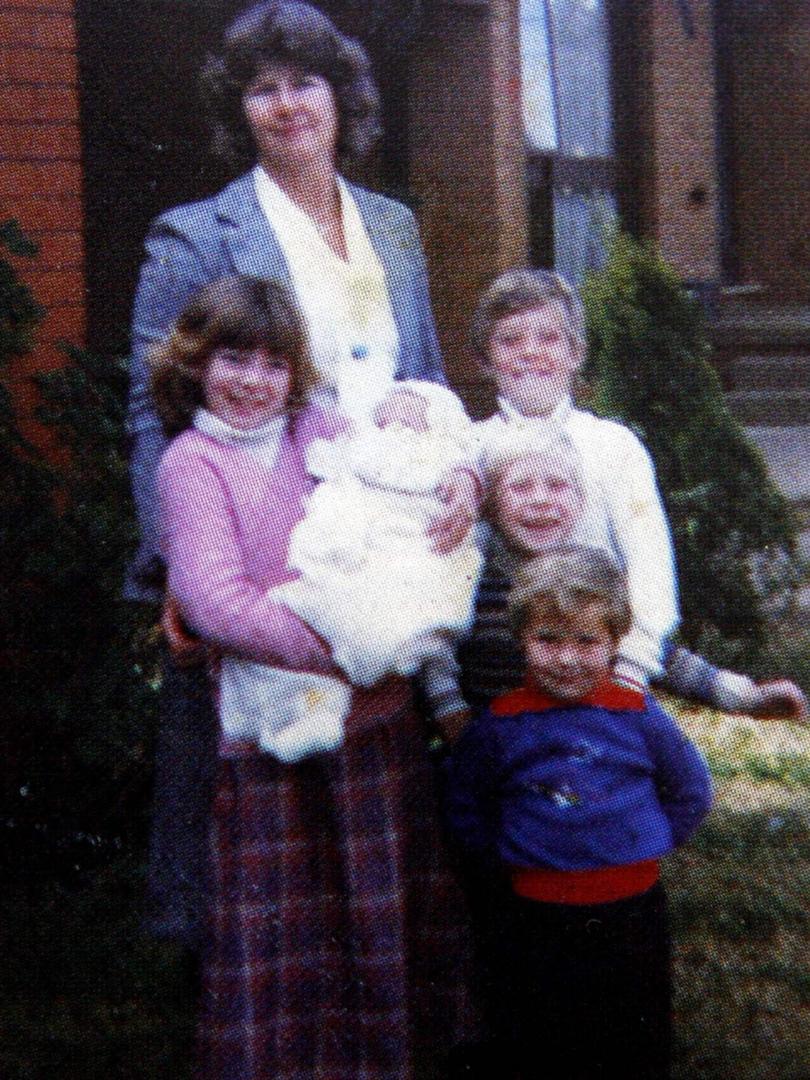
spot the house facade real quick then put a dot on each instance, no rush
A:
(515, 128)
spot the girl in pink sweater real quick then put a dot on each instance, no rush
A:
(336, 945)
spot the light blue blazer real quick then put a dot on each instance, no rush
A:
(228, 233)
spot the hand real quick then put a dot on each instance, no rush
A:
(780, 699)
(459, 492)
(187, 650)
(453, 725)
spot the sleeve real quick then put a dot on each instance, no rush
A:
(642, 536)
(472, 772)
(171, 272)
(692, 676)
(206, 573)
(681, 773)
(440, 682)
(431, 367)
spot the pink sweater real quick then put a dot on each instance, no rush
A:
(225, 522)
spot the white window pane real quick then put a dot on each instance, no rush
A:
(579, 38)
(580, 228)
(539, 119)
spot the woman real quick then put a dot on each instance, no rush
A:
(298, 94)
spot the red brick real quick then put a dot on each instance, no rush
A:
(51, 178)
(43, 213)
(40, 66)
(57, 250)
(54, 141)
(52, 287)
(39, 103)
(39, 8)
(64, 324)
(35, 29)
(45, 356)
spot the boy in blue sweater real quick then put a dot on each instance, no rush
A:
(571, 789)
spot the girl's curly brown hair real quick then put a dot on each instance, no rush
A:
(238, 312)
(289, 32)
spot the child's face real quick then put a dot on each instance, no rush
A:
(405, 408)
(537, 501)
(533, 358)
(247, 387)
(569, 659)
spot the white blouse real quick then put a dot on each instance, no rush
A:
(345, 304)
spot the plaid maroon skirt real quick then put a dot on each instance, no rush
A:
(338, 945)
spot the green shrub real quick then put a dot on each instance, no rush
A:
(79, 715)
(649, 367)
(83, 992)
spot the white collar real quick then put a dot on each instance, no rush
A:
(557, 416)
(278, 205)
(256, 438)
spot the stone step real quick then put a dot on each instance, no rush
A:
(786, 451)
(757, 372)
(771, 407)
(773, 328)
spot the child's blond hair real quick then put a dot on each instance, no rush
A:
(516, 291)
(559, 583)
(559, 446)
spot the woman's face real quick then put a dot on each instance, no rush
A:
(247, 388)
(292, 116)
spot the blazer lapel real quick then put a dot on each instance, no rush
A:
(251, 242)
(396, 249)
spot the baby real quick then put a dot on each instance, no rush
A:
(370, 582)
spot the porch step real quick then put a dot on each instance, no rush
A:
(769, 326)
(776, 408)
(787, 454)
(776, 372)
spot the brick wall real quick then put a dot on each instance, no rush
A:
(680, 197)
(467, 164)
(40, 164)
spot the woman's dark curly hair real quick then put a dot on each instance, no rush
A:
(289, 32)
(238, 312)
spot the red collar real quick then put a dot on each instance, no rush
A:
(608, 696)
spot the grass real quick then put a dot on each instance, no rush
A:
(739, 899)
(84, 995)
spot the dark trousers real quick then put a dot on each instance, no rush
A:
(185, 770)
(574, 991)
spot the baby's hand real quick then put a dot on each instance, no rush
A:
(780, 699)
(459, 493)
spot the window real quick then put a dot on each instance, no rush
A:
(568, 122)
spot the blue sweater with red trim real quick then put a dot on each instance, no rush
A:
(605, 781)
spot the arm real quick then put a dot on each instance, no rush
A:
(172, 271)
(682, 776)
(693, 676)
(642, 536)
(440, 682)
(207, 577)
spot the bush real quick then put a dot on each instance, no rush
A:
(81, 665)
(83, 992)
(733, 531)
